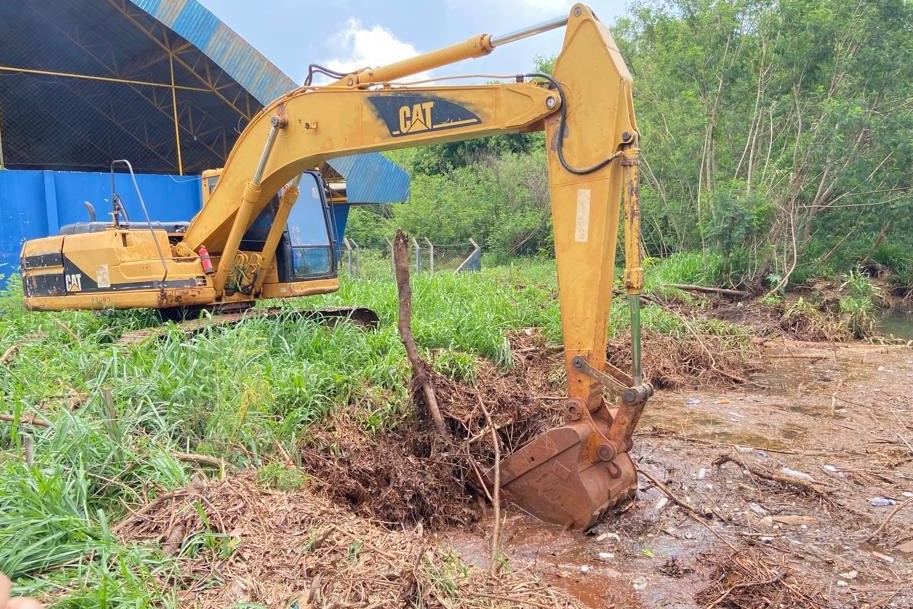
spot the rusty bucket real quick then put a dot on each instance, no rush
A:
(559, 479)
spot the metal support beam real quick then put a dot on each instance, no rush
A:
(177, 123)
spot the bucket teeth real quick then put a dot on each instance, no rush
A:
(550, 478)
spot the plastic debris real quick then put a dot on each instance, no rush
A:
(584, 568)
(701, 473)
(639, 583)
(794, 473)
(692, 401)
(849, 575)
(606, 556)
(881, 501)
(663, 502)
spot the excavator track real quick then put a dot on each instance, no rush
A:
(360, 316)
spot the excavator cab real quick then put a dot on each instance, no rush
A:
(308, 247)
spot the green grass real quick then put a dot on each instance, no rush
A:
(240, 393)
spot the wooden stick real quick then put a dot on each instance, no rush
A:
(772, 580)
(705, 289)
(27, 419)
(760, 473)
(899, 507)
(496, 500)
(670, 494)
(201, 460)
(419, 368)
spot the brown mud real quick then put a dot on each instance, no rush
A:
(796, 459)
(795, 474)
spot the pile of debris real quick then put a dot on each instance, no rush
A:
(241, 543)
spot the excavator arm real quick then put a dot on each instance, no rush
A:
(570, 475)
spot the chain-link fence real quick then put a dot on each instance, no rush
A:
(425, 256)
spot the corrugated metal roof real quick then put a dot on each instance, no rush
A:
(371, 178)
(193, 22)
(83, 82)
(376, 182)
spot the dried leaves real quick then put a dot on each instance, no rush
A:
(244, 544)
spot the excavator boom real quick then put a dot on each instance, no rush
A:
(572, 474)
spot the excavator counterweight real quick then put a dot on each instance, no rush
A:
(264, 230)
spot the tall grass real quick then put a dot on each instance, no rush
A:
(118, 415)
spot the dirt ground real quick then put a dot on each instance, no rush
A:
(786, 481)
(800, 487)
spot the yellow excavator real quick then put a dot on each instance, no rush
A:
(247, 243)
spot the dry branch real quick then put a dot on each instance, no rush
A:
(496, 491)
(27, 419)
(419, 367)
(200, 460)
(893, 513)
(675, 498)
(767, 475)
(288, 545)
(704, 289)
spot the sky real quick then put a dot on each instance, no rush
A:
(348, 34)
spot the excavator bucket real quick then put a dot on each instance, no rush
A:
(573, 474)
(553, 478)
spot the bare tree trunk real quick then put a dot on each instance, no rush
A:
(419, 367)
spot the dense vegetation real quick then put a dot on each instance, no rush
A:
(775, 134)
(119, 418)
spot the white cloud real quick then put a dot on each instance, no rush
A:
(361, 47)
(548, 8)
(507, 11)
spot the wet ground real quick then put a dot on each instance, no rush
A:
(800, 485)
(898, 321)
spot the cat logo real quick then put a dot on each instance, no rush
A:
(73, 282)
(415, 117)
(412, 114)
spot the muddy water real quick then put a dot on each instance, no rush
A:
(898, 321)
(804, 413)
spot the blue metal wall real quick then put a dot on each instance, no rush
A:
(37, 203)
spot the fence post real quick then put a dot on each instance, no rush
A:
(430, 255)
(357, 249)
(418, 255)
(392, 255)
(473, 261)
(348, 246)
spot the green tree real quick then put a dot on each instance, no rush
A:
(803, 104)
